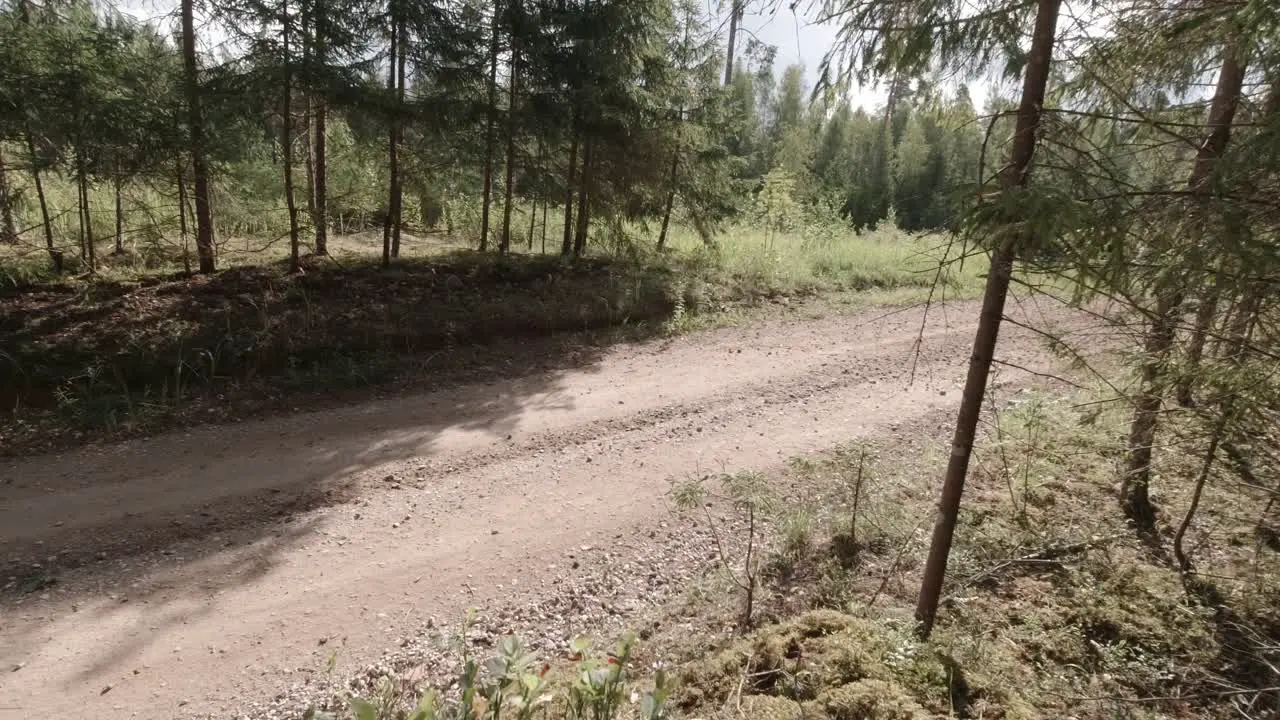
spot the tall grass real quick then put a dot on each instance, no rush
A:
(814, 254)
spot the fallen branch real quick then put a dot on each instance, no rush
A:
(1047, 555)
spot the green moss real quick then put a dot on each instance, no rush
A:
(768, 707)
(797, 660)
(868, 700)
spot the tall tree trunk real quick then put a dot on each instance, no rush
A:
(195, 123)
(1135, 491)
(675, 174)
(8, 228)
(735, 16)
(182, 216)
(1207, 312)
(321, 188)
(1205, 315)
(566, 247)
(55, 257)
(671, 200)
(544, 225)
(286, 142)
(307, 139)
(512, 88)
(533, 222)
(1239, 332)
(119, 219)
(1017, 174)
(393, 152)
(491, 111)
(87, 250)
(397, 192)
(584, 202)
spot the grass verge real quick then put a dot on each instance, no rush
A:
(136, 347)
(1054, 607)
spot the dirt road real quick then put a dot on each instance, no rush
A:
(200, 569)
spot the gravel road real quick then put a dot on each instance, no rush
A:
(209, 573)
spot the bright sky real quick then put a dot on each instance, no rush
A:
(797, 38)
(800, 40)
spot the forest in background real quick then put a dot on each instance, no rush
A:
(491, 123)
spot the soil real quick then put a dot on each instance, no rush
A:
(203, 573)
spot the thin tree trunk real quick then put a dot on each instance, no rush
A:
(182, 217)
(584, 202)
(567, 246)
(1135, 491)
(512, 88)
(55, 257)
(8, 228)
(1208, 310)
(1205, 315)
(307, 140)
(675, 174)
(119, 220)
(488, 138)
(286, 142)
(1239, 333)
(671, 201)
(533, 223)
(544, 225)
(393, 160)
(1016, 174)
(87, 250)
(397, 192)
(735, 16)
(204, 219)
(321, 187)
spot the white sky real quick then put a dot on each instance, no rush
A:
(800, 40)
(797, 38)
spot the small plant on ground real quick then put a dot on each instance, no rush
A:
(515, 685)
(748, 496)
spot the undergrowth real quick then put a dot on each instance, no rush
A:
(1053, 606)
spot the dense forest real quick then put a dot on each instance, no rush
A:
(487, 121)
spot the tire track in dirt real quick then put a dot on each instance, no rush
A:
(435, 502)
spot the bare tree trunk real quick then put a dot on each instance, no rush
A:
(397, 192)
(1205, 315)
(307, 141)
(567, 246)
(544, 225)
(488, 138)
(584, 202)
(512, 88)
(1135, 491)
(533, 223)
(55, 257)
(286, 142)
(8, 228)
(393, 159)
(1239, 334)
(119, 250)
(671, 200)
(735, 16)
(87, 250)
(182, 217)
(195, 122)
(321, 187)
(1016, 174)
